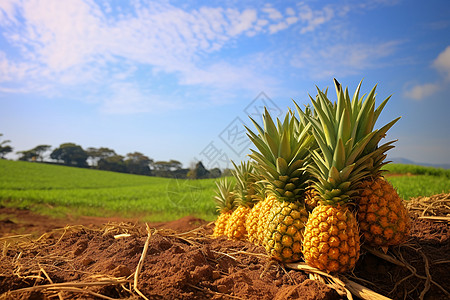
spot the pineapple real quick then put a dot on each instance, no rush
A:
(281, 160)
(253, 218)
(245, 197)
(251, 223)
(266, 207)
(382, 215)
(331, 238)
(226, 204)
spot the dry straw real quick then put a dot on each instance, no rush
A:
(435, 208)
(37, 266)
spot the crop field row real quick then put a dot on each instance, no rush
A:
(58, 191)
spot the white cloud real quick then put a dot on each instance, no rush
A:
(442, 63)
(60, 40)
(241, 22)
(272, 13)
(314, 18)
(66, 44)
(420, 92)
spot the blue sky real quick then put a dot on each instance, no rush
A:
(175, 79)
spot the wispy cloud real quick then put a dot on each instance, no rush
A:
(68, 41)
(76, 43)
(442, 63)
(424, 91)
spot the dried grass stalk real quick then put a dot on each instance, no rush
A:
(436, 207)
(140, 264)
(341, 283)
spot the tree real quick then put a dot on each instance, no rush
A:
(37, 153)
(167, 166)
(138, 163)
(215, 173)
(174, 165)
(113, 163)
(40, 150)
(96, 154)
(5, 149)
(71, 154)
(198, 172)
(27, 155)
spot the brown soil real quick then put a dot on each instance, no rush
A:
(183, 261)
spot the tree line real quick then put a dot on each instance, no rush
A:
(103, 158)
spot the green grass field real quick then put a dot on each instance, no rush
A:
(58, 191)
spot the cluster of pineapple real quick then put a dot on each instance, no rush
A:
(313, 188)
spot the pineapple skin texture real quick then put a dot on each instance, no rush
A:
(251, 223)
(383, 218)
(331, 239)
(235, 228)
(284, 232)
(263, 217)
(221, 223)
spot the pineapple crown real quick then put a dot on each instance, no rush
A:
(348, 148)
(245, 180)
(364, 116)
(283, 155)
(225, 198)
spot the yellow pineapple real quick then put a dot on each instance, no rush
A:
(225, 200)
(331, 238)
(253, 218)
(331, 241)
(266, 206)
(382, 215)
(251, 223)
(245, 197)
(281, 160)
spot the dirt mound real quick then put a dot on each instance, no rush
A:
(180, 260)
(83, 263)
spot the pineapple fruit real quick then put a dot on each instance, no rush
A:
(382, 215)
(245, 197)
(252, 224)
(331, 238)
(226, 204)
(266, 207)
(331, 242)
(281, 160)
(328, 163)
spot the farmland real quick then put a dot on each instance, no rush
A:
(109, 248)
(58, 191)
